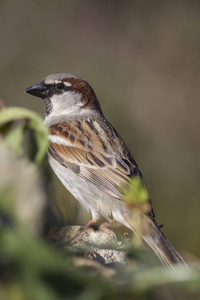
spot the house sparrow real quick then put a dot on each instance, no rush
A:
(92, 160)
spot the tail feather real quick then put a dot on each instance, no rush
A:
(151, 235)
(162, 247)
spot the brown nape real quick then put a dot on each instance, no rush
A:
(89, 99)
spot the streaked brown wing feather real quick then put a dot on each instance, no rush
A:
(107, 178)
(92, 158)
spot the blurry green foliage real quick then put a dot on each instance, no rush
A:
(32, 267)
(134, 192)
(16, 123)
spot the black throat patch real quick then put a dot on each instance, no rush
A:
(48, 106)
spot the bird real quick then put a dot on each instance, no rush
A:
(92, 161)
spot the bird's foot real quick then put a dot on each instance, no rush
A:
(78, 236)
(106, 228)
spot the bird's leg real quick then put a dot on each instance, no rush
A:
(78, 236)
(106, 228)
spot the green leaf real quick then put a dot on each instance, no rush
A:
(135, 192)
(15, 139)
(15, 135)
(18, 113)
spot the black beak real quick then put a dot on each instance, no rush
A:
(39, 90)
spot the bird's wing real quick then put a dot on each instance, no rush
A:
(94, 152)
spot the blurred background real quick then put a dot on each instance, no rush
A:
(142, 59)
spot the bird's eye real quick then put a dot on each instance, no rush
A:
(60, 86)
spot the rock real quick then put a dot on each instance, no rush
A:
(96, 245)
